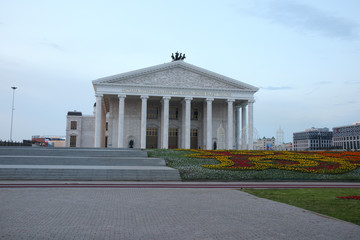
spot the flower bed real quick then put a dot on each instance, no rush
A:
(306, 162)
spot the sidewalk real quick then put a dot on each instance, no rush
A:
(173, 184)
(157, 213)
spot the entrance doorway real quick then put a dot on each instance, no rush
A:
(72, 141)
(151, 138)
(173, 138)
(194, 138)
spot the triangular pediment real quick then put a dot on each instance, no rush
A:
(174, 75)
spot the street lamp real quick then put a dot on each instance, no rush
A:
(12, 112)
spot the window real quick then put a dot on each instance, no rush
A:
(195, 114)
(173, 132)
(152, 113)
(73, 141)
(73, 125)
(107, 126)
(194, 133)
(173, 113)
(151, 132)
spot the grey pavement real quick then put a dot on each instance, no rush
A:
(138, 213)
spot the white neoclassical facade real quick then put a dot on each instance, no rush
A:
(173, 105)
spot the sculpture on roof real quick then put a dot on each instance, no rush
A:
(178, 56)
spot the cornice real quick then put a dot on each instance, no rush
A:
(171, 65)
(182, 88)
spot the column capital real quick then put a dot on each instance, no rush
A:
(188, 98)
(121, 96)
(165, 98)
(99, 95)
(251, 101)
(209, 99)
(230, 100)
(144, 96)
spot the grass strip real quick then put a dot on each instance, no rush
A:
(323, 201)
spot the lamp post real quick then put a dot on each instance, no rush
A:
(12, 112)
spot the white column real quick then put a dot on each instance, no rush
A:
(238, 127)
(230, 138)
(251, 125)
(165, 123)
(121, 120)
(143, 121)
(243, 126)
(205, 128)
(103, 126)
(182, 124)
(209, 123)
(98, 120)
(187, 121)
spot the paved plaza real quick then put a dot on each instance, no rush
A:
(158, 213)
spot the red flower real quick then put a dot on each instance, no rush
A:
(350, 197)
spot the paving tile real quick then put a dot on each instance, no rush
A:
(134, 213)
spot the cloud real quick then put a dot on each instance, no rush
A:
(52, 45)
(345, 103)
(272, 88)
(308, 19)
(323, 83)
(352, 82)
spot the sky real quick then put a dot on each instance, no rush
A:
(304, 56)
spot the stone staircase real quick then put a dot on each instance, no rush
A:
(81, 164)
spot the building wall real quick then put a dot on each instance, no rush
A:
(347, 137)
(73, 132)
(313, 139)
(132, 121)
(87, 135)
(84, 131)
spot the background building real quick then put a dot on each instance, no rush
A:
(347, 137)
(80, 130)
(312, 139)
(48, 141)
(279, 137)
(285, 147)
(265, 144)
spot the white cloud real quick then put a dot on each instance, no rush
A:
(305, 19)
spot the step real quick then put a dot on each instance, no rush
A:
(70, 160)
(82, 164)
(90, 152)
(98, 173)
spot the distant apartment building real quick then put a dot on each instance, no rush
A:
(347, 137)
(284, 147)
(265, 144)
(312, 139)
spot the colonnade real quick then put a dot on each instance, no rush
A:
(242, 129)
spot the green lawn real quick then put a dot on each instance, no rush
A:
(191, 170)
(322, 201)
